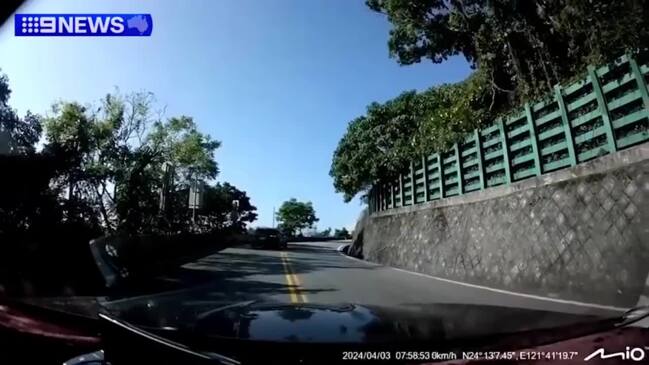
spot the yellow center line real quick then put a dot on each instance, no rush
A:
(291, 288)
(296, 280)
(294, 284)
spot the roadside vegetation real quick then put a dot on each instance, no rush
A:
(294, 216)
(87, 170)
(518, 49)
(109, 163)
(339, 234)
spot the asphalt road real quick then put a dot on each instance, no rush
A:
(317, 273)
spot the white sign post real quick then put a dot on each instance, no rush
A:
(195, 197)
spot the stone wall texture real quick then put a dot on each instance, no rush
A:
(577, 234)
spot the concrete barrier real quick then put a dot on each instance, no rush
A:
(577, 234)
(123, 258)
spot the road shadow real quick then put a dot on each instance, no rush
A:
(253, 263)
(237, 275)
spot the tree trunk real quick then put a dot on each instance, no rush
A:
(70, 196)
(103, 211)
(518, 71)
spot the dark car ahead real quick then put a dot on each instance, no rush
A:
(269, 238)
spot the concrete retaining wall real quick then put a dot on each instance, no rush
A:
(122, 258)
(579, 234)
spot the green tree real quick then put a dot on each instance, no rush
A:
(219, 212)
(26, 202)
(17, 135)
(120, 173)
(103, 149)
(381, 144)
(99, 170)
(449, 112)
(40, 247)
(69, 136)
(114, 155)
(342, 233)
(377, 145)
(325, 233)
(523, 47)
(190, 152)
(294, 216)
(519, 50)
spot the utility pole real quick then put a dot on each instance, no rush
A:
(273, 217)
(195, 197)
(192, 197)
(167, 183)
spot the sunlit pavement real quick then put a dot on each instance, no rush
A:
(318, 273)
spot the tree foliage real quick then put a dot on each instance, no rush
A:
(325, 233)
(342, 234)
(105, 167)
(114, 162)
(294, 216)
(519, 51)
(190, 151)
(17, 135)
(377, 144)
(219, 212)
(380, 144)
(524, 46)
(93, 169)
(25, 200)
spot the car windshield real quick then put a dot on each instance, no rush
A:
(343, 171)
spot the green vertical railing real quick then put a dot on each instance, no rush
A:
(566, 128)
(536, 169)
(606, 111)
(479, 170)
(411, 178)
(603, 109)
(505, 151)
(424, 164)
(458, 169)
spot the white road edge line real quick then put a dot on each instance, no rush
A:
(501, 291)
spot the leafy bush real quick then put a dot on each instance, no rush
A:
(382, 143)
(519, 50)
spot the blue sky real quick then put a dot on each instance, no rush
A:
(275, 81)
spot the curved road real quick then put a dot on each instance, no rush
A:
(318, 273)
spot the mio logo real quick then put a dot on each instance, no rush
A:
(98, 25)
(634, 354)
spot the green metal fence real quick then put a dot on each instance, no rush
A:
(605, 112)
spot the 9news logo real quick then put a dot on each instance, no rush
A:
(93, 25)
